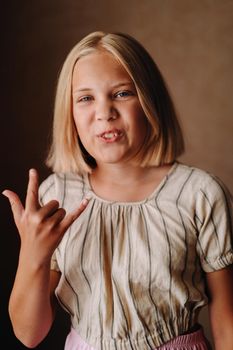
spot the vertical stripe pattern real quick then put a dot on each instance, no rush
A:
(132, 273)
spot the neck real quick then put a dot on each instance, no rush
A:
(125, 182)
(123, 173)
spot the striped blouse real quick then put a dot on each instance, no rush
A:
(132, 273)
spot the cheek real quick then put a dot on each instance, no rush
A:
(82, 117)
(76, 121)
(83, 131)
(75, 117)
(79, 122)
(78, 128)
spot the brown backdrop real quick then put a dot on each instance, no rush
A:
(192, 41)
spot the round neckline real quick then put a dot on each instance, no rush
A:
(150, 196)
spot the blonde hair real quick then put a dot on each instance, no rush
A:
(165, 140)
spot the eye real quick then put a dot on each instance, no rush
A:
(84, 99)
(122, 94)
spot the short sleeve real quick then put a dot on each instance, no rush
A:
(47, 192)
(214, 222)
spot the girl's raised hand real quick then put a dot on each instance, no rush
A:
(41, 228)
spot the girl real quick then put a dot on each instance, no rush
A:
(151, 242)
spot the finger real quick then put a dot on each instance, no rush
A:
(16, 205)
(32, 201)
(49, 209)
(57, 216)
(71, 217)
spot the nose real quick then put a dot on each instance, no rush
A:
(105, 110)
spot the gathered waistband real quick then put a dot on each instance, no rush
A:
(191, 341)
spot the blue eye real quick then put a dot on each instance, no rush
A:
(123, 94)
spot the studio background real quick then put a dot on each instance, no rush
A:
(191, 41)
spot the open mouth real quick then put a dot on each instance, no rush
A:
(111, 135)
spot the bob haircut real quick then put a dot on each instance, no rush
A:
(164, 140)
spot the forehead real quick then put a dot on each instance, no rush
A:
(99, 67)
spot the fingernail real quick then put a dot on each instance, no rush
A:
(85, 201)
(32, 171)
(4, 193)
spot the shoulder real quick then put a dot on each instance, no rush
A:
(201, 180)
(57, 185)
(205, 191)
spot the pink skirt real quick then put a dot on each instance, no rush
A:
(191, 341)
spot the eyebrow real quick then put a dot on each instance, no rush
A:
(121, 84)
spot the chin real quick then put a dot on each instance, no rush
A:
(112, 161)
(111, 158)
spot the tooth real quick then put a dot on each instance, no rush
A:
(109, 136)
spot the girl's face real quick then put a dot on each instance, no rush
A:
(108, 116)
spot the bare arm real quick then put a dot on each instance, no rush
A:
(220, 288)
(31, 304)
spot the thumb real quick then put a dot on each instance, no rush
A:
(16, 205)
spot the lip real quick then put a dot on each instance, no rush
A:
(110, 136)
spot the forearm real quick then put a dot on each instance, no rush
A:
(225, 344)
(220, 289)
(222, 333)
(30, 306)
(41, 228)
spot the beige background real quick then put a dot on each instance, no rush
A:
(192, 42)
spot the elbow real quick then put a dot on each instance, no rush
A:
(27, 340)
(28, 336)
(24, 333)
(29, 331)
